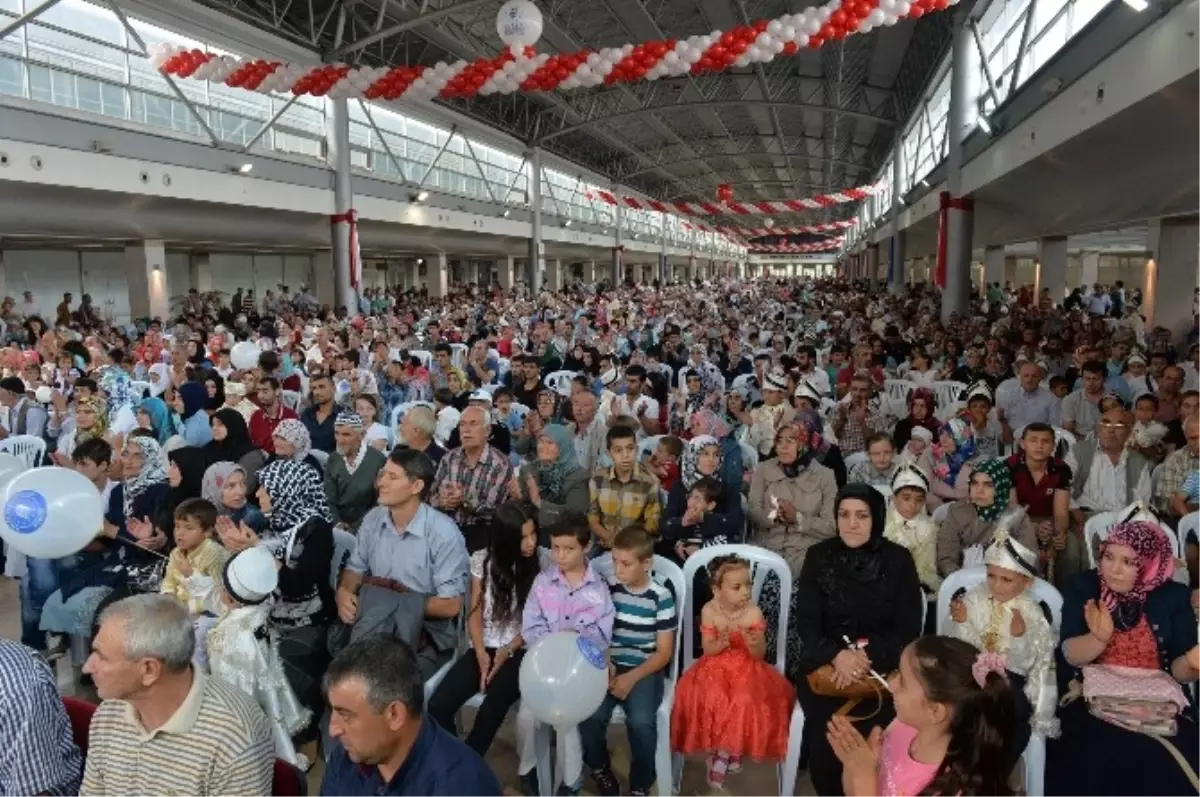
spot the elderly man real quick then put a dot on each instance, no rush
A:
(408, 573)
(384, 743)
(1106, 475)
(1169, 387)
(1029, 403)
(588, 430)
(472, 480)
(856, 420)
(164, 727)
(499, 437)
(24, 416)
(417, 429)
(38, 753)
(351, 471)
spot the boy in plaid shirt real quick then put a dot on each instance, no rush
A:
(624, 495)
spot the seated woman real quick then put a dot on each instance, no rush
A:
(231, 443)
(732, 468)
(224, 486)
(791, 510)
(921, 403)
(857, 586)
(702, 456)
(377, 435)
(154, 416)
(293, 443)
(91, 421)
(970, 525)
(946, 460)
(554, 482)
(1126, 613)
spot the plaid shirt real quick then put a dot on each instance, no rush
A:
(40, 753)
(486, 483)
(392, 395)
(1171, 475)
(619, 505)
(853, 435)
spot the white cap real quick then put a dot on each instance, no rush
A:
(251, 576)
(1006, 551)
(921, 433)
(979, 388)
(909, 475)
(480, 395)
(775, 380)
(806, 390)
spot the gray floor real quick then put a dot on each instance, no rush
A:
(754, 779)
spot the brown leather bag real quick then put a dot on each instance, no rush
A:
(820, 682)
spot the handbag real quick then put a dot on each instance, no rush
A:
(820, 682)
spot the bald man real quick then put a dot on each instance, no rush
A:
(472, 480)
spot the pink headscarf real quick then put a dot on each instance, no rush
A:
(1155, 563)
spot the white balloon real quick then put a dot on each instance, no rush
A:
(775, 28)
(812, 26)
(244, 355)
(903, 7)
(742, 60)
(801, 40)
(519, 23)
(563, 679)
(764, 40)
(50, 512)
(865, 26)
(593, 59)
(789, 32)
(671, 58)
(876, 17)
(776, 46)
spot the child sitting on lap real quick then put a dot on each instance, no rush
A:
(196, 554)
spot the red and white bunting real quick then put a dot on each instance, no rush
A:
(740, 208)
(758, 232)
(795, 249)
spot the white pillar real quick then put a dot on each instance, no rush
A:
(199, 272)
(146, 270)
(1089, 268)
(437, 271)
(993, 266)
(504, 267)
(343, 203)
(554, 275)
(1170, 277)
(535, 240)
(589, 271)
(958, 212)
(1052, 254)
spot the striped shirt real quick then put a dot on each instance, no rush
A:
(217, 742)
(37, 750)
(640, 617)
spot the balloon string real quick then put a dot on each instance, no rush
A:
(141, 548)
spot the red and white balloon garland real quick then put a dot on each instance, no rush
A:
(796, 249)
(530, 71)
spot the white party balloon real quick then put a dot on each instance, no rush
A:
(789, 32)
(775, 27)
(49, 513)
(563, 679)
(742, 60)
(777, 46)
(876, 17)
(244, 355)
(519, 24)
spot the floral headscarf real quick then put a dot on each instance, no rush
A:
(550, 476)
(1155, 563)
(152, 472)
(707, 422)
(214, 479)
(997, 471)
(297, 434)
(947, 465)
(929, 422)
(100, 427)
(815, 445)
(690, 461)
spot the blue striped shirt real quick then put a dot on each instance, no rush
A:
(640, 618)
(37, 749)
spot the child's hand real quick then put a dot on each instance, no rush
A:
(859, 756)
(754, 636)
(182, 564)
(620, 686)
(958, 611)
(1018, 624)
(1045, 531)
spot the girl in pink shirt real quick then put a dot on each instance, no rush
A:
(955, 721)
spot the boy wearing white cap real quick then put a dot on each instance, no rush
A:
(908, 523)
(242, 651)
(999, 615)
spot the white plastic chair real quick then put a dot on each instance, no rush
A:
(139, 388)
(424, 356)
(899, 389)
(648, 446)
(1041, 591)
(560, 382)
(856, 458)
(25, 446)
(1060, 435)
(1095, 531)
(322, 458)
(762, 562)
(947, 392)
(749, 456)
(939, 514)
(743, 381)
(1189, 523)
(458, 354)
(399, 410)
(343, 547)
(828, 405)
(291, 400)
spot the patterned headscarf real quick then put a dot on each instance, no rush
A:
(115, 384)
(814, 447)
(690, 461)
(297, 434)
(1155, 563)
(929, 422)
(100, 426)
(550, 476)
(297, 494)
(152, 472)
(214, 479)
(947, 465)
(160, 418)
(997, 471)
(707, 422)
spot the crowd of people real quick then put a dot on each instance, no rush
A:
(328, 550)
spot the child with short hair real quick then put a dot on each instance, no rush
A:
(953, 729)
(569, 595)
(880, 464)
(731, 703)
(909, 524)
(643, 644)
(196, 562)
(690, 537)
(664, 462)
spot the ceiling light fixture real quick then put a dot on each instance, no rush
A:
(1137, 5)
(241, 168)
(420, 261)
(567, 223)
(506, 213)
(924, 183)
(420, 196)
(984, 124)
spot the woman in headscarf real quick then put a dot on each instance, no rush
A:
(214, 385)
(159, 378)
(947, 460)
(858, 586)
(154, 416)
(791, 510)
(224, 486)
(91, 421)
(231, 443)
(706, 422)
(725, 523)
(1126, 613)
(969, 525)
(554, 482)
(299, 532)
(293, 442)
(190, 400)
(921, 403)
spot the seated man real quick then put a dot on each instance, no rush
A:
(472, 480)
(351, 471)
(1170, 499)
(499, 437)
(417, 430)
(409, 570)
(39, 755)
(164, 727)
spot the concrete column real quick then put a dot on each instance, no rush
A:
(1170, 276)
(692, 267)
(536, 251)
(146, 270)
(504, 267)
(343, 203)
(199, 272)
(437, 275)
(1089, 268)
(957, 211)
(323, 278)
(589, 271)
(553, 276)
(618, 239)
(1052, 254)
(993, 266)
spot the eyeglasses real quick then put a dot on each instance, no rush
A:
(1111, 425)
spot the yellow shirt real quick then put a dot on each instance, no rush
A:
(206, 559)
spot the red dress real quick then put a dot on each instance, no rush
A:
(734, 703)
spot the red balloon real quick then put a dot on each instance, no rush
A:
(815, 42)
(761, 25)
(916, 12)
(790, 48)
(838, 18)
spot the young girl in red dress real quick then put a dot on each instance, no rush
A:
(731, 703)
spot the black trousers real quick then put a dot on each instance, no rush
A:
(462, 683)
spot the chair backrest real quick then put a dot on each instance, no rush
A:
(1095, 531)
(749, 456)
(968, 577)
(1190, 523)
(1061, 436)
(648, 446)
(291, 399)
(139, 388)
(400, 409)
(26, 446)
(560, 382)
(424, 356)
(854, 459)
(742, 381)
(321, 457)
(939, 514)
(79, 714)
(898, 389)
(667, 573)
(343, 547)
(947, 392)
(884, 490)
(828, 405)
(761, 562)
(458, 354)
(287, 780)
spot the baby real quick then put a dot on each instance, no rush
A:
(921, 439)
(664, 462)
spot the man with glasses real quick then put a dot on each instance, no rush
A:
(1107, 475)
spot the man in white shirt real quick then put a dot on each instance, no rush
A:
(1099, 303)
(806, 361)
(1081, 409)
(1029, 403)
(29, 307)
(638, 403)
(24, 416)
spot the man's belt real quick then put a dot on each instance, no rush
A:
(385, 583)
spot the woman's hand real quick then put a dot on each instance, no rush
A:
(485, 667)
(156, 541)
(1099, 620)
(859, 756)
(1193, 657)
(142, 529)
(849, 666)
(535, 495)
(787, 511)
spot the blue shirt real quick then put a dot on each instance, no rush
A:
(196, 430)
(429, 556)
(437, 764)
